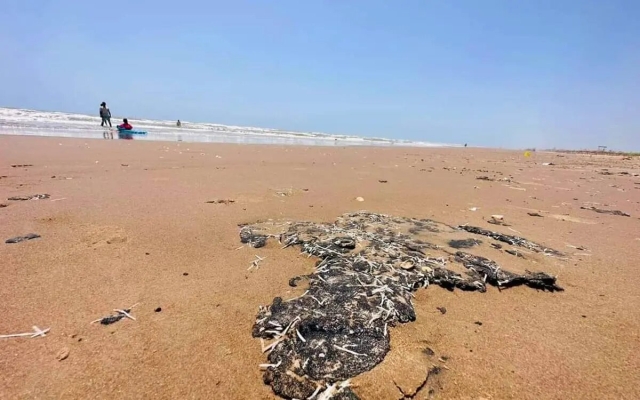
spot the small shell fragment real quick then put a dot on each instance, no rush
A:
(62, 354)
(407, 265)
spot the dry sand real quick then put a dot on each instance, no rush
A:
(127, 219)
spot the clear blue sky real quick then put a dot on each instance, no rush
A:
(510, 73)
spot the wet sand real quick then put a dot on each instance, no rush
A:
(127, 219)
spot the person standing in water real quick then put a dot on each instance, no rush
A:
(105, 114)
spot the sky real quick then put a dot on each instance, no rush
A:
(502, 73)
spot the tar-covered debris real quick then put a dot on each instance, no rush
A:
(464, 243)
(512, 240)
(369, 265)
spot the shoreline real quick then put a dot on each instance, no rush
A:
(39, 123)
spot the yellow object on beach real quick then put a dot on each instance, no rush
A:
(527, 154)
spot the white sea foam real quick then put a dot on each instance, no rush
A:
(42, 123)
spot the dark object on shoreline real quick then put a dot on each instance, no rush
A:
(492, 273)
(21, 165)
(442, 310)
(2, 205)
(361, 287)
(19, 239)
(382, 181)
(293, 282)
(514, 253)
(512, 240)
(535, 214)
(221, 201)
(185, 274)
(610, 212)
(484, 178)
(111, 319)
(159, 309)
(478, 323)
(32, 197)
(254, 240)
(464, 243)
(428, 351)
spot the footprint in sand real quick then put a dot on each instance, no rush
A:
(100, 236)
(573, 219)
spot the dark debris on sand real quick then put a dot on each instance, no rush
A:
(223, 201)
(112, 319)
(247, 236)
(32, 197)
(512, 240)
(464, 243)
(19, 239)
(361, 287)
(610, 212)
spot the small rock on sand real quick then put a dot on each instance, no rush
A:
(359, 199)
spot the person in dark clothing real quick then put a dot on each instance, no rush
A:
(105, 114)
(126, 125)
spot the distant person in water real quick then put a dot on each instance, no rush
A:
(126, 126)
(105, 114)
(178, 124)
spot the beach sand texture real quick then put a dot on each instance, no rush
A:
(128, 222)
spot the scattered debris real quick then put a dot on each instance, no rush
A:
(610, 212)
(285, 192)
(473, 209)
(478, 323)
(484, 178)
(159, 309)
(514, 252)
(496, 246)
(221, 201)
(361, 287)
(382, 181)
(255, 240)
(120, 314)
(21, 165)
(254, 263)
(62, 354)
(359, 199)
(32, 197)
(3, 205)
(493, 274)
(19, 239)
(442, 310)
(548, 163)
(535, 214)
(497, 220)
(464, 243)
(512, 240)
(429, 352)
(185, 274)
(37, 332)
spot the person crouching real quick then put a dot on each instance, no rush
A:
(125, 125)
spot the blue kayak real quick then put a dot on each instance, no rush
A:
(131, 132)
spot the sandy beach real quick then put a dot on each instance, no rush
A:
(128, 222)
